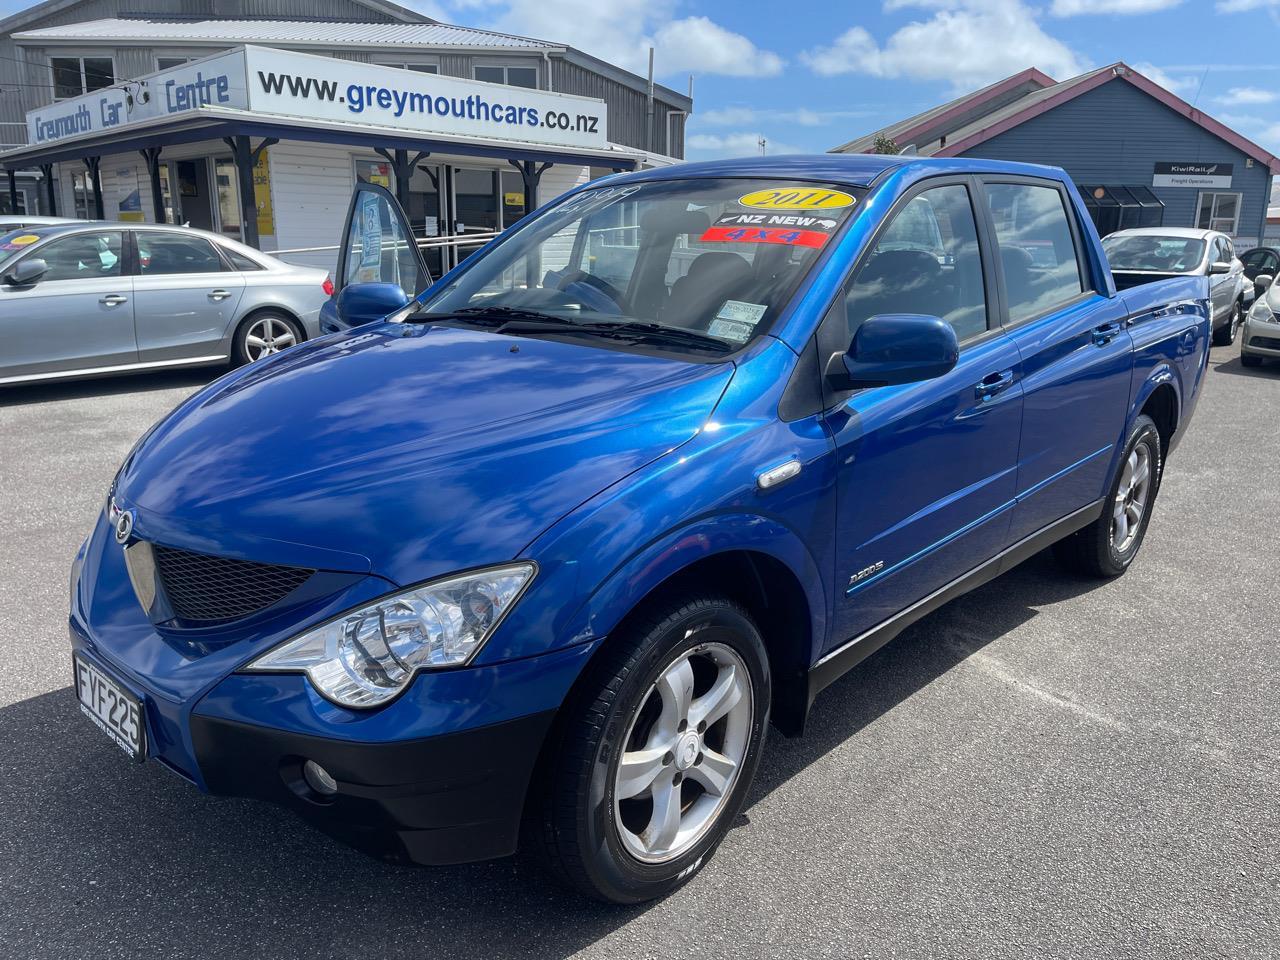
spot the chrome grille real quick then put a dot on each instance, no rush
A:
(204, 588)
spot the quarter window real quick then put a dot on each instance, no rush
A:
(926, 261)
(161, 253)
(1037, 252)
(73, 76)
(83, 256)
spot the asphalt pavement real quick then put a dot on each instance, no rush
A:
(1047, 767)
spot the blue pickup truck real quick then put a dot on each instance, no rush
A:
(539, 557)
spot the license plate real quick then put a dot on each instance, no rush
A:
(113, 710)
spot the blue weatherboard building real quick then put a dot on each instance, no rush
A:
(1140, 155)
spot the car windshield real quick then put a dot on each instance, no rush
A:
(705, 264)
(15, 241)
(1152, 252)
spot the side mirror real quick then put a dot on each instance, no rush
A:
(27, 272)
(1263, 281)
(895, 348)
(369, 302)
(1219, 267)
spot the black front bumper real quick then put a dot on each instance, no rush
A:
(448, 799)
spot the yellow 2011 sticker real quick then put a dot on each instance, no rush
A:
(797, 198)
(23, 240)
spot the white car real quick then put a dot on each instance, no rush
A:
(1150, 253)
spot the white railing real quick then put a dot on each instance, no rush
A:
(424, 243)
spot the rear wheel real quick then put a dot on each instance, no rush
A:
(264, 334)
(654, 755)
(1225, 335)
(1106, 547)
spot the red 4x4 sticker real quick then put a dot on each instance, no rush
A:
(790, 229)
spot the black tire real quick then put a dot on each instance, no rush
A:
(242, 350)
(1225, 335)
(1250, 360)
(572, 820)
(1092, 550)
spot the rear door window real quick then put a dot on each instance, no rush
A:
(163, 253)
(1038, 255)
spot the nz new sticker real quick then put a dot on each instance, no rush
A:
(791, 229)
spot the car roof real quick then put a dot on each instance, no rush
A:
(59, 227)
(21, 219)
(850, 169)
(1189, 233)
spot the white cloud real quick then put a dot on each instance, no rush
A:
(966, 42)
(801, 116)
(1243, 96)
(708, 146)
(1072, 8)
(621, 34)
(1243, 6)
(1182, 86)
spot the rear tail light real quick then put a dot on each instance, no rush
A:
(327, 287)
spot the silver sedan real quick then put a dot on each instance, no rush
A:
(102, 298)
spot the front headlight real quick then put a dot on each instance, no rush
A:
(367, 656)
(1261, 311)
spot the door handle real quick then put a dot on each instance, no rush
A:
(992, 383)
(216, 295)
(1106, 333)
(113, 300)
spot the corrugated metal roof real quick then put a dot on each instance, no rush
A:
(285, 31)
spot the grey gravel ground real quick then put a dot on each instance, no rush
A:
(1047, 767)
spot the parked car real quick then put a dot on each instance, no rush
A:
(553, 550)
(1149, 253)
(1260, 262)
(14, 221)
(99, 298)
(1261, 335)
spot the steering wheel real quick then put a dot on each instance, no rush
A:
(598, 294)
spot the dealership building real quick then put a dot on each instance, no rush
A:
(1140, 155)
(256, 118)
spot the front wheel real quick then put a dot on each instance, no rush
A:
(1106, 547)
(655, 753)
(1225, 335)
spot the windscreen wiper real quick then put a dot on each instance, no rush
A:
(504, 314)
(659, 333)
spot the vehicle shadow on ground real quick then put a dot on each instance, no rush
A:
(107, 386)
(1270, 369)
(105, 857)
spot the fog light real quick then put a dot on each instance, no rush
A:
(319, 779)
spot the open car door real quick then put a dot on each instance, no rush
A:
(380, 267)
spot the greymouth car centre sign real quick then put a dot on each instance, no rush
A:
(299, 85)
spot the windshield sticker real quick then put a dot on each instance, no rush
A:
(736, 320)
(23, 240)
(595, 199)
(797, 198)
(783, 235)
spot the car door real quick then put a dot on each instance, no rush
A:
(78, 315)
(1077, 355)
(185, 296)
(1222, 286)
(926, 470)
(377, 247)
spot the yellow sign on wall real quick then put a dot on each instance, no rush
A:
(262, 197)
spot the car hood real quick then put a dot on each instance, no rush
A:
(407, 451)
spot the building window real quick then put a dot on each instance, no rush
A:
(1218, 211)
(73, 76)
(168, 63)
(415, 67)
(511, 76)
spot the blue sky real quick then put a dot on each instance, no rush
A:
(806, 75)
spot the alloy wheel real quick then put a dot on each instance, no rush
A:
(1132, 498)
(266, 336)
(683, 752)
